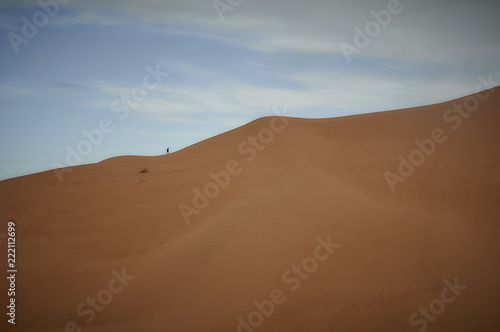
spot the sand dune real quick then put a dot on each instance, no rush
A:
(278, 203)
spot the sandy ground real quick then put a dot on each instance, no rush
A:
(313, 181)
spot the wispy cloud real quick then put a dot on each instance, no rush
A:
(9, 91)
(90, 17)
(318, 90)
(166, 133)
(6, 25)
(449, 35)
(12, 161)
(71, 85)
(172, 120)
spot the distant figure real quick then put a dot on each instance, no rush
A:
(168, 150)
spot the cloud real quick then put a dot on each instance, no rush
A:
(87, 17)
(166, 119)
(4, 25)
(11, 161)
(9, 91)
(165, 133)
(341, 94)
(442, 31)
(71, 85)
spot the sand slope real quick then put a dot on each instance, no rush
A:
(315, 178)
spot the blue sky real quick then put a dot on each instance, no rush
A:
(222, 74)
